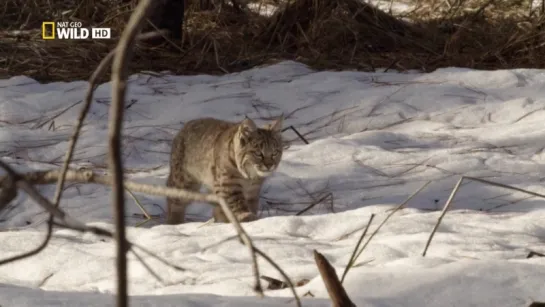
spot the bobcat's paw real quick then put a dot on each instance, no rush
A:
(246, 217)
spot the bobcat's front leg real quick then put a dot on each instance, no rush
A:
(231, 190)
(252, 195)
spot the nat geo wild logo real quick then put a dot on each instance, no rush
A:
(72, 30)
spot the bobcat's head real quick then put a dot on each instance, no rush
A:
(258, 150)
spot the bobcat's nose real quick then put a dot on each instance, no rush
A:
(268, 165)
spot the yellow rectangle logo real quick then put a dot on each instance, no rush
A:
(44, 30)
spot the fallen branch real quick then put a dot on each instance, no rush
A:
(89, 176)
(16, 181)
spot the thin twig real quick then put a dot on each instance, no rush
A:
(156, 257)
(501, 185)
(314, 204)
(399, 207)
(216, 53)
(296, 132)
(148, 268)
(455, 190)
(284, 275)
(209, 222)
(443, 212)
(52, 119)
(218, 243)
(137, 202)
(353, 256)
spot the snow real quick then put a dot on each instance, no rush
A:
(395, 7)
(374, 138)
(262, 9)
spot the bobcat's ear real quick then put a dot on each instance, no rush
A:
(247, 126)
(276, 126)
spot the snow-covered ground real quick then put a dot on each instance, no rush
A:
(396, 7)
(374, 138)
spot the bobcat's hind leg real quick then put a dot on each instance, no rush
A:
(176, 206)
(244, 216)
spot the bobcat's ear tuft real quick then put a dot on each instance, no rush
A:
(247, 126)
(276, 126)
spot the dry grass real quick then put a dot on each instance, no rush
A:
(334, 34)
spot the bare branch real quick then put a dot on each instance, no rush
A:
(119, 87)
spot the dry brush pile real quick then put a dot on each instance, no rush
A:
(326, 34)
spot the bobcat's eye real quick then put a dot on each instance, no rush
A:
(258, 155)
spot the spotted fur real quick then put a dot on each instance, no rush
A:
(230, 159)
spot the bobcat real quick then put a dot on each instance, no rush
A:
(230, 159)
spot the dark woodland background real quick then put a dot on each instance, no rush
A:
(220, 37)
